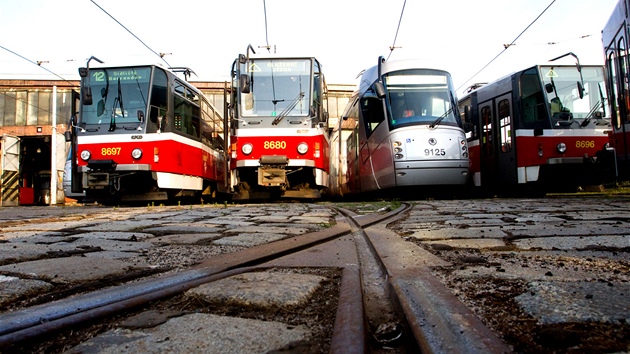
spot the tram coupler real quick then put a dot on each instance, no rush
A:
(272, 172)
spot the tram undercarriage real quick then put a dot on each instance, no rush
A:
(139, 186)
(274, 182)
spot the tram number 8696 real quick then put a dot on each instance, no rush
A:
(434, 152)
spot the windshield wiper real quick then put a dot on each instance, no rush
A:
(112, 123)
(288, 110)
(596, 107)
(440, 118)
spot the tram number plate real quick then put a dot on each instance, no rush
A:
(110, 151)
(275, 145)
(585, 144)
(434, 152)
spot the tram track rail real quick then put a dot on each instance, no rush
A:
(431, 318)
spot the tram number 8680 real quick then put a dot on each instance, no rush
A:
(275, 145)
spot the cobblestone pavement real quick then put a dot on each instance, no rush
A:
(532, 263)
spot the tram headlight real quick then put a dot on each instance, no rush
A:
(136, 153)
(302, 148)
(247, 148)
(397, 149)
(398, 156)
(561, 147)
(85, 155)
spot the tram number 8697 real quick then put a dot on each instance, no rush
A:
(434, 152)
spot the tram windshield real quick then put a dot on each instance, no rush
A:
(420, 97)
(119, 95)
(278, 87)
(567, 107)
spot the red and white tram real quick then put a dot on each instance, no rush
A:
(538, 130)
(279, 128)
(145, 134)
(616, 39)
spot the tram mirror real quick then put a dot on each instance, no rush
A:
(83, 72)
(67, 135)
(380, 89)
(140, 116)
(580, 89)
(549, 88)
(100, 108)
(244, 83)
(86, 96)
(242, 58)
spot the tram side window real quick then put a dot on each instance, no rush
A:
(159, 100)
(623, 74)
(468, 119)
(372, 112)
(187, 113)
(505, 124)
(534, 110)
(486, 138)
(612, 77)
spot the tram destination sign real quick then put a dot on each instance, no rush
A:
(293, 66)
(140, 74)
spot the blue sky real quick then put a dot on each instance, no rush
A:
(460, 36)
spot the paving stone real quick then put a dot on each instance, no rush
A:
(117, 235)
(197, 333)
(287, 229)
(111, 245)
(561, 302)
(249, 239)
(19, 236)
(123, 225)
(69, 269)
(570, 243)
(262, 289)
(448, 233)
(12, 288)
(475, 243)
(50, 226)
(185, 239)
(26, 251)
(184, 228)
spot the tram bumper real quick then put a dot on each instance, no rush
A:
(445, 172)
(272, 172)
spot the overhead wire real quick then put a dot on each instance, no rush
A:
(136, 37)
(507, 46)
(38, 64)
(393, 46)
(266, 29)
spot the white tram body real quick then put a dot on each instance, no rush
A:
(401, 129)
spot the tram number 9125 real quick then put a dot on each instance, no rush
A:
(434, 152)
